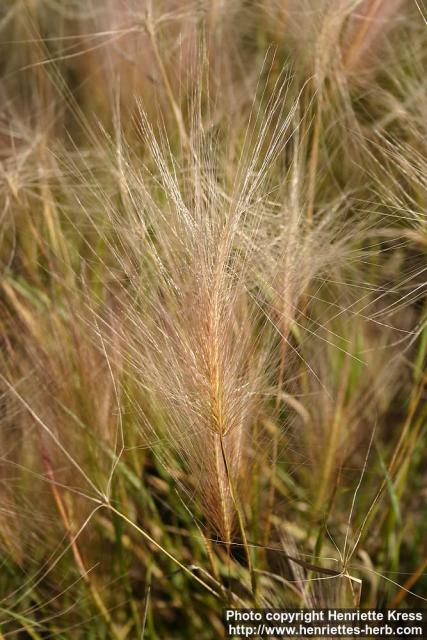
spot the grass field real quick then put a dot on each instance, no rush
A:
(212, 312)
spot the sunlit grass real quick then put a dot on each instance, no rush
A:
(213, 316)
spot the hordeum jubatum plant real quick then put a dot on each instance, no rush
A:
(212, 312)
